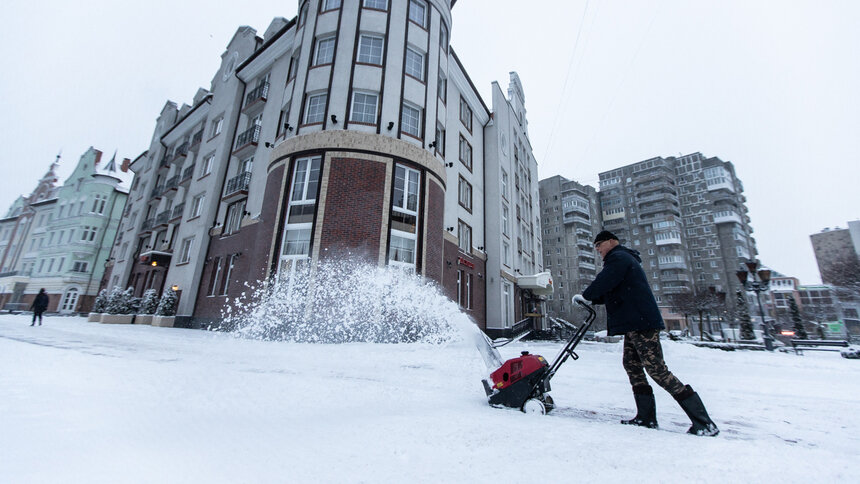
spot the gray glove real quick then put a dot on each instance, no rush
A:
(578, 299)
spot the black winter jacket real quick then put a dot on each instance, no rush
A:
(623, 287)
(40, 303)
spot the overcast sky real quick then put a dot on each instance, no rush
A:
(770, 86)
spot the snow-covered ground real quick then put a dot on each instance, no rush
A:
(86, 402)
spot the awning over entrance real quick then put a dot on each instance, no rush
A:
(155, 258)
(540, 283)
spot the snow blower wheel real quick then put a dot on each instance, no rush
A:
(523, 382)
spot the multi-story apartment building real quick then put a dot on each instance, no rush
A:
(353, 131)
(570, 219)
(835, 249)
(688, 219)
(59, 237)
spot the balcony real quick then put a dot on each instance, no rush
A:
(157, 191)
(659, 196)
(196, 140)
(247, 141)
(586, 265)
(162, 218)
(147, 225)
(180, 154)
(177, 211)
(650, 178)
(172, 183)
(256, 98)
(575, 218)
(237, 186)
(659, 207)
(726, 216)
(672, 262)
(187, 173)
(584, 234)
(667, 238)
(165, 160)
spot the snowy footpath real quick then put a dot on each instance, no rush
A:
(92, 403)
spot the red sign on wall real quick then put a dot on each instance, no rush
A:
(464, 262)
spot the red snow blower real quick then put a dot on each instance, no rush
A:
(523, 382)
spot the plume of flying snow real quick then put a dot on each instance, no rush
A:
(345, 301)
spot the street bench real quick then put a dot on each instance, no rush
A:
(816, 344)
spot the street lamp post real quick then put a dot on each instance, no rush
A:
(758, 286)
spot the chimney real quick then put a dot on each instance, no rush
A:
(124, 167)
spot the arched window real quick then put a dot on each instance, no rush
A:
(70, 300)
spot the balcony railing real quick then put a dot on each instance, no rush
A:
(181, 150)
(238, 184)
(177, 211)
(727, 216)
(247, 138)
(157, 191)
(162, 218)
(187, 173)
(172, 183)
(197, 138)
(147, 224)
(165, 160)
(258, 94)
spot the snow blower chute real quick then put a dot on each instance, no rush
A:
(523, 382)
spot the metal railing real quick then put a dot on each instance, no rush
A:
(177, 210)
(162, 217)
(250, 135)
(259, 93)
(172, 182)
(187, 173)
(147, 224)
(238, 183)
(197, 138)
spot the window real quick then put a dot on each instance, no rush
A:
(294, 68)
(315, 110)
(414, 64)
(99, 204)
(465, 152)
(185, 251)
(464, 289)
(217, 125)
(88, 234)
(465, 114)
(364, 108)
(377, 4)
(410, 122)
(215, 276)
(506, 216)
(80, 266)
(506, 254)
(235, 213)
(465, 194)
(206, 168)
(418, 12)
(283, 119)
(504, 184)
(324, 53)
(464, 236)
(370, 50)
(404, 217)
(439, 139)
(300, 212)
(197, 206)
(443, 37)
(330, 5)
(228, 271)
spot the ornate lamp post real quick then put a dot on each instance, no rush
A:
(758, 286)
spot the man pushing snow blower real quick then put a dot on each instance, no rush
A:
(632, 311)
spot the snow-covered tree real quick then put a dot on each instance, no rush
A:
(100, 301)
(114, 303)
(149, 303)
(799, 327)
(743, 313)
(167, 305)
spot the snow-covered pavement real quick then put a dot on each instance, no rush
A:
(86, 402)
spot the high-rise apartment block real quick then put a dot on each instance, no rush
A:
(685, 215)
(837, 250)
(352, 130)
(570, 219)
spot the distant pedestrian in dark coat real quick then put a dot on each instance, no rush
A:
(632, 311)
(40, 304)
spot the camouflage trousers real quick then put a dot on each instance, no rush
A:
(642, 352)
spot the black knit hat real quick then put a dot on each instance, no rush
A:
(604, 235)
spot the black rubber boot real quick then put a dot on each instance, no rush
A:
(695, 409)
(646, 408)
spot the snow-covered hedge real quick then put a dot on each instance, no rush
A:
(167, 305)
(149, 303)
(100, 302)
